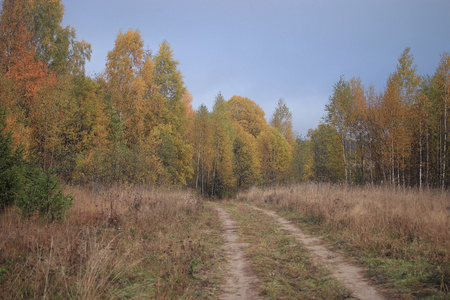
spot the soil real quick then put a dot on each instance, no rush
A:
(348, 274)
(241, 282)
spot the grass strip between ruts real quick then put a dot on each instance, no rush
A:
(284, 268)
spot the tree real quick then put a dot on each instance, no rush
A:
(174, 154)
(171, 90)
(123, 70)
(359, 130)
(157, 109)
(275, 155)
(397, 136)
(407, 78)
(135, 109)
(246, 164)
(302, 160)
(43, 195)
(34, 26)
(17, 55)
(328, 164)
(409, 85)
(247, 114)
(38, 58)
(202, 142)
(371, 128)
(223, 136)
(282, 120)
(84, 131)
(54, 45)
(420, 110)
(442, 83)
(397, 112)
(169, 80)
(14, 35)
(10, 166)
(339, 110)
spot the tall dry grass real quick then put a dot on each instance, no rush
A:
(119, 243)
(405, 224)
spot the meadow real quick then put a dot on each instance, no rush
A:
(402, 236)
(159, 243)
(116, 243)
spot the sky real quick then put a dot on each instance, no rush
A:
(271, 49)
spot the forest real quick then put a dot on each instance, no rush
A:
(134, 123)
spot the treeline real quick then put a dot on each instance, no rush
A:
(398, 136)
(133, 123)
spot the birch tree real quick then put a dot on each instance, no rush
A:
(339, 110)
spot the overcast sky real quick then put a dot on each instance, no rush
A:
(271, 49)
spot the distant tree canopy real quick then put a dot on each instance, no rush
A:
(398, 136)
(134, 123)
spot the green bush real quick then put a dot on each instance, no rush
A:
(10, 166)
(43, 195)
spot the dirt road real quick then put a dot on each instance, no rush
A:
(243, 284)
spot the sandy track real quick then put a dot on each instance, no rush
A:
(348, 274)
(241, 282)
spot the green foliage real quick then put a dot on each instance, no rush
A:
(282, 120)
(169, 80)
(212, 137)
(407, 78)
(328, 164)
(2, 274)
(83, 130)
(174, 153)
(167, 75)
(340, 109)
(10, 166)
(301, 160)
(56, 45)
(44, 196)
(117, 165)
(223, 135)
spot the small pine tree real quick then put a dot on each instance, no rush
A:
(43, 195)
(10, 166)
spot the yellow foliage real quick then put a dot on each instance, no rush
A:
(247, 114)
(275, 155)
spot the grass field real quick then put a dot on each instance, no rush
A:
(153, 243)
(118, 243)
(402, 236)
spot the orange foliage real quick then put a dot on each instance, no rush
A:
(187, 104)
(29, 77)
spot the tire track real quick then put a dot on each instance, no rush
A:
(348, 274)
(241, 282)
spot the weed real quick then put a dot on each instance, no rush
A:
(2, 273)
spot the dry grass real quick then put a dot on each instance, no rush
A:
(403, 235)
(119, 243)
